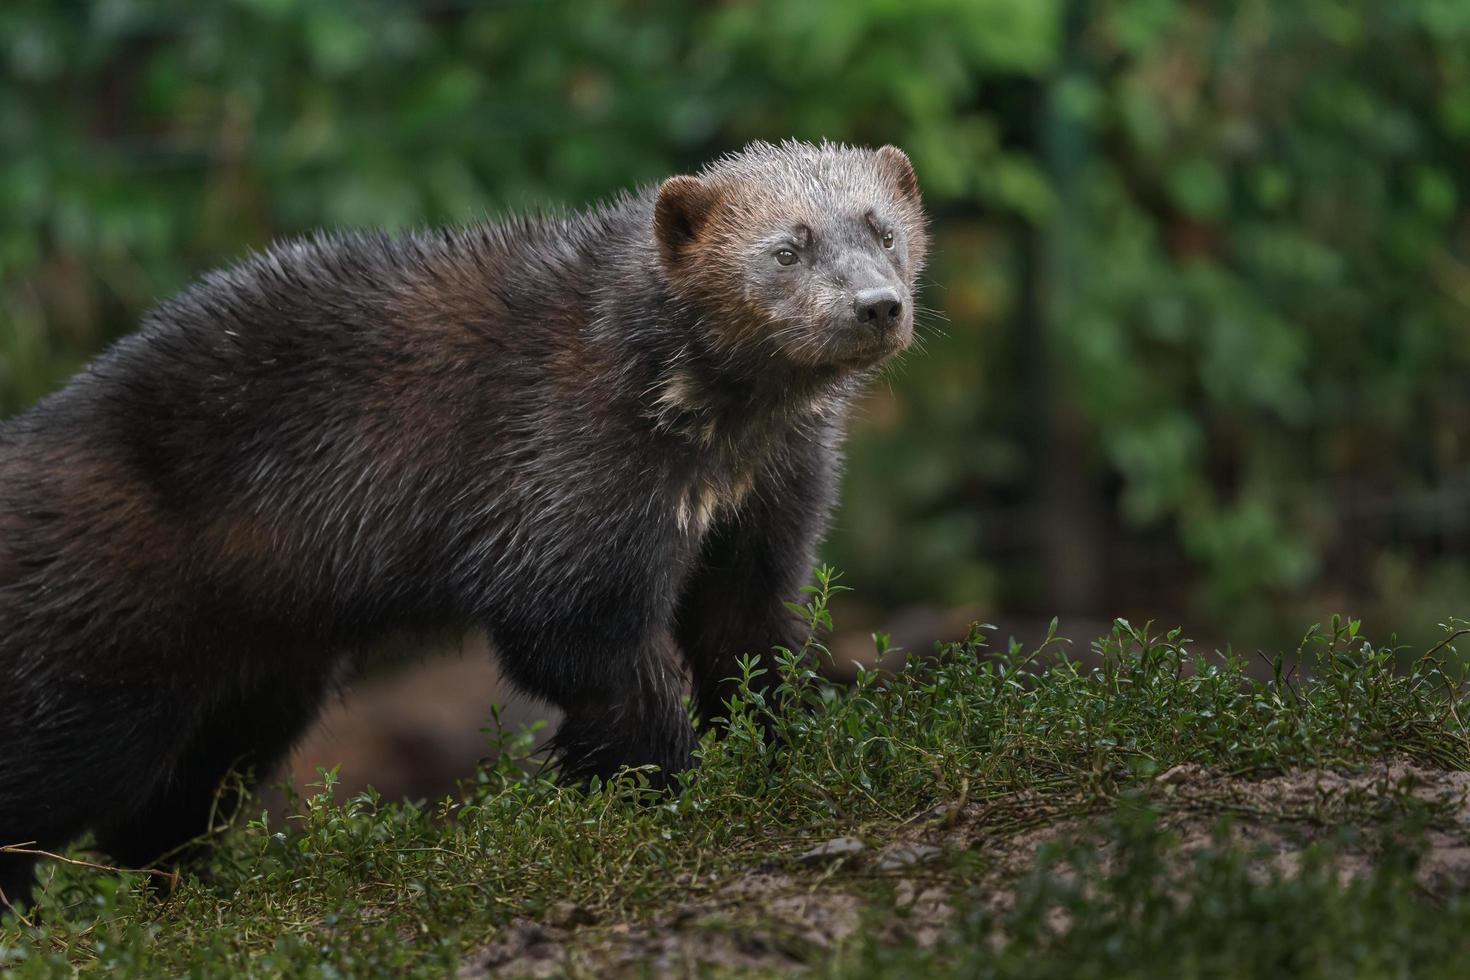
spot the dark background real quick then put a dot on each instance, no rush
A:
(1200, 287)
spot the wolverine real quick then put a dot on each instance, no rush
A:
(610, 440)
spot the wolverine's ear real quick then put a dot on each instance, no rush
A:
(684, 205)
(895, 163)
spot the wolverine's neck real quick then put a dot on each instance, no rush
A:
(713, 401)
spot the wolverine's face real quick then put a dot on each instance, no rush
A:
(834, 289)
(805, 254)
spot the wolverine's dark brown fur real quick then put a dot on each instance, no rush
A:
(610, 440)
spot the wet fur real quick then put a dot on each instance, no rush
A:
(588, 435)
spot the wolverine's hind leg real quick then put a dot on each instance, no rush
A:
(247, 735)
(76, 753)
(17, 876)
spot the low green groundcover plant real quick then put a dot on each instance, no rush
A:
(1010, 740)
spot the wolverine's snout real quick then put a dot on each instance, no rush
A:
(880, 308)
(869, 325)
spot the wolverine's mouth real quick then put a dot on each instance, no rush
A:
(861, 346)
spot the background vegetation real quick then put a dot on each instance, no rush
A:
(1202, 265)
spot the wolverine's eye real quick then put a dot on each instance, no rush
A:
(786, 256)
(888, 239)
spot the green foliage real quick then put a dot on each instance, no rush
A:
(366, 886)
(1283, 294)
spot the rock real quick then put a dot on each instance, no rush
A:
(1183, 773)
(897, 856)
(567, 913)
(833, 850)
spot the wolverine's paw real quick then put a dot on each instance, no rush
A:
(586, 750)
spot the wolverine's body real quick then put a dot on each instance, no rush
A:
(609, 440)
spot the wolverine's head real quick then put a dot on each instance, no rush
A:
(809, 253)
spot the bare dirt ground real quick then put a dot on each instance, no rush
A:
(921, 875)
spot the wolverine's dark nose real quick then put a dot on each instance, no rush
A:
(879, 308)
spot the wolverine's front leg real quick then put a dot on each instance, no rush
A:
(752, 562)
(635, 718)
(612, 669)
